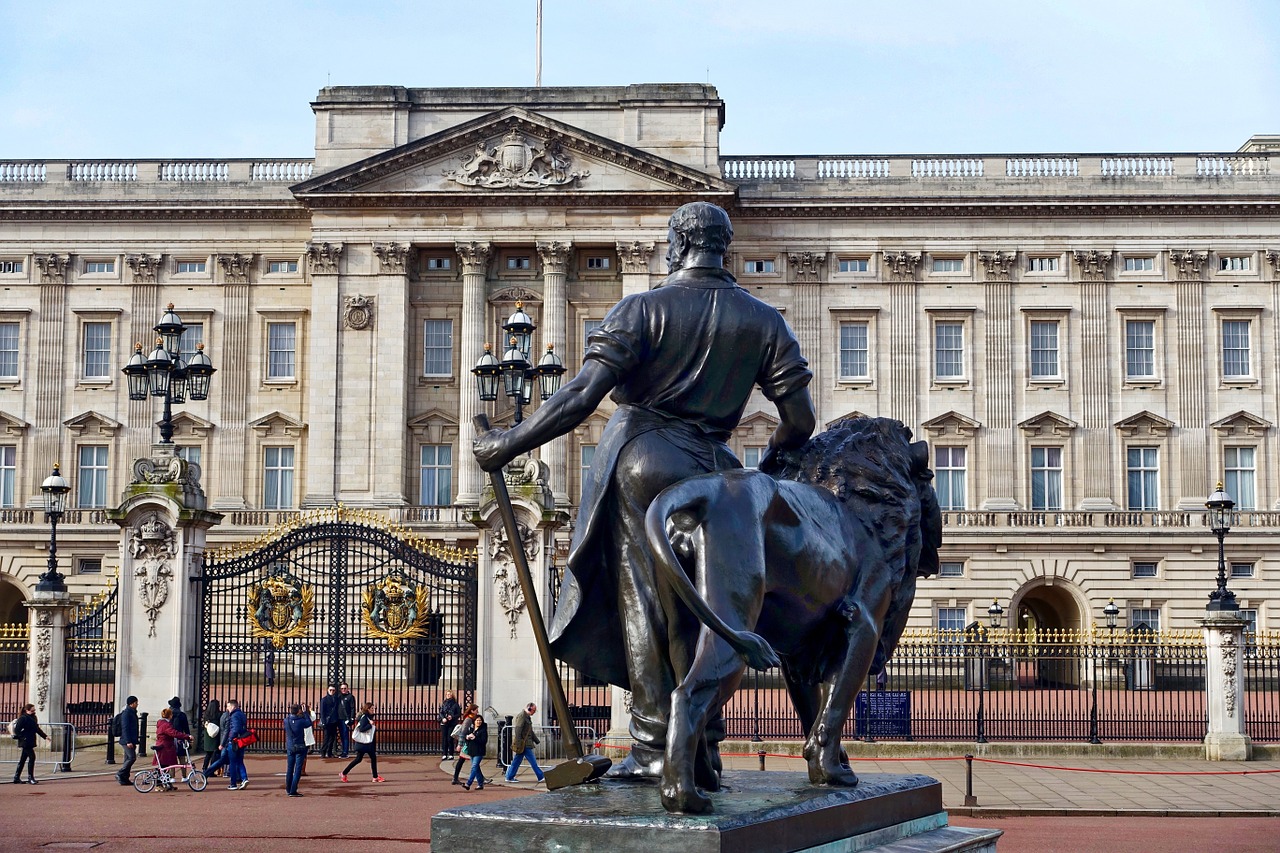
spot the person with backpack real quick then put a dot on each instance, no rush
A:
(128, 738)
(24, 730)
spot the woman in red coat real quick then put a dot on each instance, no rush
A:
(166, 736)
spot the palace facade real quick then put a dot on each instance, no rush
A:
(1089, 342)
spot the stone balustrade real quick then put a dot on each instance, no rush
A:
(1120, 519)
(154, 171)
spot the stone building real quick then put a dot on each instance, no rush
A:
(1088, 341)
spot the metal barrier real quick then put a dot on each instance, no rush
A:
(549, 747)
(59, 750)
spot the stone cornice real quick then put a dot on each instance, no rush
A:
(64, 211)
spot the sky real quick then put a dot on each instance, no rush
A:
(141, 79)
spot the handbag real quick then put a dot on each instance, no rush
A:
(364, 737)
(212, 729)
(247, 740)
(309, 735)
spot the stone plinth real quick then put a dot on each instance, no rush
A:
(1225, 739)
(755, 812)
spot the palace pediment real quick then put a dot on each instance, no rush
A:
(12, 425)
(511, 152)
(951, 424)
(1144, 424)
(1242, 424)
(1048, 424)
(277, 423)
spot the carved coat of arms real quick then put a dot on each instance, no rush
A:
(396, 610)
(153, 546)
(517, 162)
(505, 579)
(280, 608)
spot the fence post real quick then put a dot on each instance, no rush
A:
(969, 798)
(68, 739)
(142, 733)
(1093, 708)
(1225, 739)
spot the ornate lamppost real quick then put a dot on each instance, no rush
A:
(1219, 506)
(995, 615)
(1111, 612)
(55, 490)
(164, 374)
(516, 372)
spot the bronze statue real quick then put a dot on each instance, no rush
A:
(681, 361)
(821, 561)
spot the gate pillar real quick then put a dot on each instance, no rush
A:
(163, 521)
(48, 616)
(509, 671)
(1224, 676)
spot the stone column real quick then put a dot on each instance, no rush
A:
(1096, 486)
(233, 385)
(144, 310)
(806, 269)
(634, 258)
(1224, 677)
(49, 614)
(163, 522)
(555, 330)
(902, 388)
(1190, 385)
(999, 436)
(386, 336)
(323, 355)
(50, 369)
(475, 265)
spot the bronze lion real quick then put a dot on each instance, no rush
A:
(819, 558)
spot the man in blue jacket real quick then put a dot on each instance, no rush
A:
(128, 738)
(237, 726)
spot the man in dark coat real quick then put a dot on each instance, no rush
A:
(681, 361)
(179, 722)
(128, 738)
(331, 720)
(450, 714)
(347, 715)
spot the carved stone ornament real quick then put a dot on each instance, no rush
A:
(474, 257)
(627, 702)
(166, 469)
(53, 268)
(902, 266)
(1189, 264)
(1230, 647)
(235, 268)
(634, 257)
(395, 610)
(43, 658)
(391, 257)
(281, 607)
(357, 312)
(807, 266)
(143, 267)
(323, 257)
(505, 579)
(517, 162)
(154, 545)
(1273, 258)
(997, 265)
(554, 256)
(513, 294)
(1093, 264)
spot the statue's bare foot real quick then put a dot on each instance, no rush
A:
(678, 798)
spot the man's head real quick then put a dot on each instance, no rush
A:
(344, 688)
(332, 690)
(296, 710)
(698, 235)
(132, 701)
(531, 708)
(233, 704)
(448, 694)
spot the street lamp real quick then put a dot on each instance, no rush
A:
(1219, 506)
(1110, 612)
(163, 373)
(517, 374)
(55, 490)
(995, 613)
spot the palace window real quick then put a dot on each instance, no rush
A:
(1235, 348)
(948, 350)
(87, 566)
(97, 350)
(518, 262)
(600, 263)
(8, 473)
(949, 477)
(758, 265)
(1149, 616)
(1044, 349)
(951, 569)
(439, 264)
(1047, 263)
(99, 266)
(1140, 349)
(1142, 464)
(10, 266)
(1242, 570)
(1146, 264)
(854, 360)
(948, 264)
(277, 477)
(91, 481)
(437, 348)
(587, 454)
(853, 265)
(589, 326)
(188, 452)
(191, 267)
(282, 342)
(436, 475)
(9, 350)
(951, 618)
(1145, 569)
(751, 456)
(1234, 263)
(1240, 481)
(276, 267)
(1046, 479)
(192, 335)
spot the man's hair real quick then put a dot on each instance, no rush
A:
(231, 702)
(296, 710)
(705, 226)
(531, 707)
(132, 700)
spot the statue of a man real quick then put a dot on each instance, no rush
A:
(682, 361)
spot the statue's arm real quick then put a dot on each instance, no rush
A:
(797, 420)
(567, 408)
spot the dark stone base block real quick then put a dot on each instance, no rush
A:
(756, 812)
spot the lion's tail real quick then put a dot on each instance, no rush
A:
(693, 496)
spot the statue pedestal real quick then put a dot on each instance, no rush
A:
(756, 811)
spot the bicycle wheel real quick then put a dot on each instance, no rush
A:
(196, 781)
(144, 781)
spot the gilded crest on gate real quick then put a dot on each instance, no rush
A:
(396, 609)
(280, 607)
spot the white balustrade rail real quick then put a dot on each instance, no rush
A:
(281, 170)
(184, 171)
(1041, 167)
(853, 167)
(15, 171)
(103, 171)
(1126, 167)
(951, 167)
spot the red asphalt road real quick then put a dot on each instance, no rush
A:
(395, 817)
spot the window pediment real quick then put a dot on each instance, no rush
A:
(434, 426)
(187, 424)
(1144, 425)
(92, 424)
(951, 424)
(278, 423)
(12, 425)
(1241, 424)
(1047, 424)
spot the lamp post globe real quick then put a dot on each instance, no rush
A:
(995, 614)
(487, 372)
(55, 489)
(1110, 613)
(516, 372)
(164, 373)
(1219, 506)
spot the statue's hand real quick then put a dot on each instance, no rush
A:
(772, 460)
(490, 450)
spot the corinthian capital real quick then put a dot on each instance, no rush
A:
(807, 266)
(53, 268)
(634, 256)
(323, 257)
(143, 268)
(901, 265)
(235, 268)
(554, 256)
(997, 265)
(474, 257)
(1189, 264)
(391, 257)
(1093, 263)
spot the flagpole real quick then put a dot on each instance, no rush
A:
(537, 63)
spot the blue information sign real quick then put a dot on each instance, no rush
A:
(883, 713)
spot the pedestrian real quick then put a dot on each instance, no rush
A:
(364, 728)
(180, 721)
(25, 733)
(523, 740)
(237, 727)
(128, 738)
(459, 738)
(330, 720)
(224, 744)
(308, 734)
(347, 713)
(477, 743)
(209, 740)
(167, 736)
(450, 714)
(296, 725)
